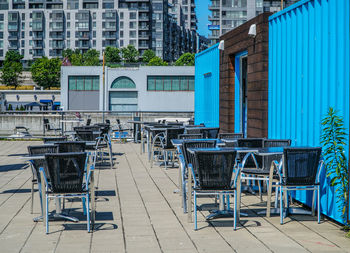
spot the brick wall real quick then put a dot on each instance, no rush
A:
(237, 41)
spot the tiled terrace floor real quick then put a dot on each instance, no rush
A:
(137, 211)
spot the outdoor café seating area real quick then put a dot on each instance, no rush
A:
(168, 187)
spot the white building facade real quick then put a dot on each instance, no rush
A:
(142, 89)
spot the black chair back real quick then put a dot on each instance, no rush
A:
(267, 160)
(108, 122)
(87, 135)
(231, 136)
(47, 124)
(88, 122)
(214, 169)
(38, 163)
(172, 133)
(71, 146)
(54, 139)
(251, 143)
(189, 157)
(190, 136)
(300, 165)
(210, 132)
(66, 171)
(192, 130)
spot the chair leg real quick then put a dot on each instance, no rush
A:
(260, 190)
(276, 197)
(87, 213)
(32, 199)
(313, 202)
(235, 211)
(281, 206)
(239, 196)
(110, 155)
(268, 204)
(195, 210)
(47, 214)
(318, 204)
(152, 157)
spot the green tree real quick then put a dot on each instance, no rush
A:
(76, 59)
(112, 55)
(46, 72)
(12, 69)
(91, 58)
(67, 53)
(148, 55)
(130, 54)
(157, 61)
(334, 139)
(187, 59)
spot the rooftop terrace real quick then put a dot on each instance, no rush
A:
(138, 211)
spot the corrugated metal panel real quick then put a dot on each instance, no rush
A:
(207, 78)
(308, 73)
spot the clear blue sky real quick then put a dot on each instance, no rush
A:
(202, 15)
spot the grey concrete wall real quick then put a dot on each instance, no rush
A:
(34, 122)
(83, 100)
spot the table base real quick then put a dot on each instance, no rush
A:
(55, 216)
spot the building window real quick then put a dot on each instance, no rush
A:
(170, 83)
(84, 83)
(121, 15)
(132, 15)
(108, 5)
(123, 82)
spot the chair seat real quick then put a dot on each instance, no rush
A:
(256, 171)
(214, 191)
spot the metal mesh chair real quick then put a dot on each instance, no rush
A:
(187, 158)
(49, 127)
(212, 172)
(210, 132)
(66, 171)
(71, 146)
(230, 136)
(192, 130)
(190, 136)
(36, 165)
(47, 140)
(301, 171)
(168, 147)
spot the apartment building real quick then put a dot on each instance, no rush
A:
(229, 14)
(39, 28)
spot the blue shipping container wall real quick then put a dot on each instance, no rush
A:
(308, 73)
(206, 95)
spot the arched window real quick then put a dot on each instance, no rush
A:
(123, 82)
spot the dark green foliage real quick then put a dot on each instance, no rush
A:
(67, 53)
(130, 54)
(333, 139)
(76, 58)
(112, 55)
(148, 55)
(9, 108)
(187, 59)
(157, 61)
(91, 58)
(12, 69)
(22, 108)
(46, 72)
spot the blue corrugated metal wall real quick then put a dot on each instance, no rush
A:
(207, 74)
(308, 73)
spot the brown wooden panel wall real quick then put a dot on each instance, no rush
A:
(237, 41)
